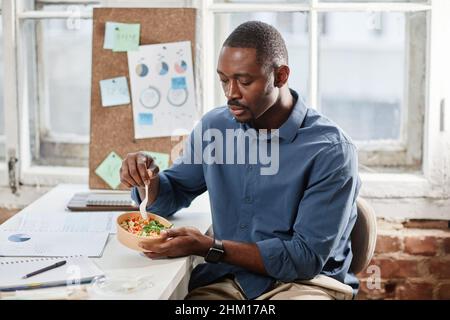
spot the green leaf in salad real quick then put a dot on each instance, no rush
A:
(154, 226)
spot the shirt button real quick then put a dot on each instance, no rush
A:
(248, 199)
(243, 226)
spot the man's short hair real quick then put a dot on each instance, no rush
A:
(269, 44)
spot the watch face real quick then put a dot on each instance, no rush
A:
(214, 255)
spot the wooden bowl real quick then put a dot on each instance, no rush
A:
(131, 240)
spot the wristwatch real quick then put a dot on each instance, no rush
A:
(216, 252)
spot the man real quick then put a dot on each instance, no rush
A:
(280, 235)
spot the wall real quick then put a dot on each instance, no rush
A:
(414, 261)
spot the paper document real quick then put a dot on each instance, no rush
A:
(70, 222)
(162, 89)
(52, 244)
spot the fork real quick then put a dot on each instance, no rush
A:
(143, 205)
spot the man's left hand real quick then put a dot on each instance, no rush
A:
(179, 242)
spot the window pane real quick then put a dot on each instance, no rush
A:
(294, 28)
(361, 72)
(61, 129)
(67, 62)
(2, 112)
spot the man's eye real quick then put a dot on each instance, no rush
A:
(246, 83)
(223, 80)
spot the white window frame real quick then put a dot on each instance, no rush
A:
(398, 195)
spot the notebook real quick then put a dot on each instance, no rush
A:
(109, 199)
(102, 201)
(77, 270)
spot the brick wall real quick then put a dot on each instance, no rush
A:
(413, 260)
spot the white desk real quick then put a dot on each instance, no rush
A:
(170, 276)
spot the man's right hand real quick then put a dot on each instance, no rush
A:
(139, 169)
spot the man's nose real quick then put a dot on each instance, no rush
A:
(233, 91)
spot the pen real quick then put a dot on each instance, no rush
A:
(53, 266)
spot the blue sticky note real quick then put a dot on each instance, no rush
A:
(179, 83)
(114, 92)
(145, 119)
(110, 28)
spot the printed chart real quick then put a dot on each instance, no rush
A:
(162, 89)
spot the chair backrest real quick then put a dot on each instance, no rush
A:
(364, 236)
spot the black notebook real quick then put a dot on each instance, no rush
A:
(102, 201)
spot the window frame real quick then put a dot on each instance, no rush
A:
(384, 189)
(404, 153)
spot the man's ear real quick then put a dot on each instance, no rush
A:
(281, 75)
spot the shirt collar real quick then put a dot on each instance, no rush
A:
(288, 130)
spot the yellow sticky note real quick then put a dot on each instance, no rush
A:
(109, 170)
(126, 37)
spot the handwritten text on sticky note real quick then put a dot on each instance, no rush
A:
(126, 37)
(114, 92)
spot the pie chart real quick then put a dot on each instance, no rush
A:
(20, 237)
(177, 97)
(141, 70)
(181, 66)
(150, 98)
(162, 67)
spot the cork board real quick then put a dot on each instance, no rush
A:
(112, 128)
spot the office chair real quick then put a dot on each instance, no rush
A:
(363, 236)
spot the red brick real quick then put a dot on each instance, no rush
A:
(386, 244)
(407, 268)
(446, 245)
(385, 291)
(388, 268)
(444, 292)
(426, 246)
(415, 291)
(426, 224)
(440, 268)
(391, 268)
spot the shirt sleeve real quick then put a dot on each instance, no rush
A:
(324, 213)
(178, 185)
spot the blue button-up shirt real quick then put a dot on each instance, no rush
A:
(300, 218)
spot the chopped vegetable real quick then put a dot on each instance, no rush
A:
(143, 228)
